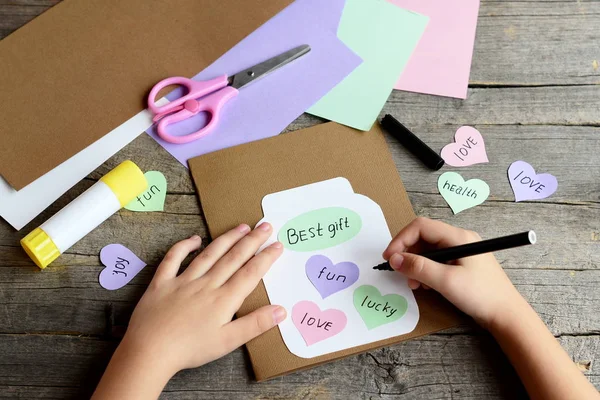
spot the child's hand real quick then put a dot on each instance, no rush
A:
(185, 321)
(477, 285)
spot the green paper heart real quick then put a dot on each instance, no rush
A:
(152, 199)
(461, 195)
(377, 310)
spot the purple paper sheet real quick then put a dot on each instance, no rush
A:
(266, 107)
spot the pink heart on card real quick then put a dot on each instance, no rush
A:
(315, 325)
(468, 148)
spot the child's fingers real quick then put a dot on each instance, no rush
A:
(433, 232)
(240, 331)
(214, 251)
(429, 273)
(239, 254)
(169, 266)
(243, 282)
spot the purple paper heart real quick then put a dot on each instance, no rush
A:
(527, 185)
(121, 266)
(328, 278)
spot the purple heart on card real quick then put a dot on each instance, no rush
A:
(527, 185)
(328, 278)
(121, 266)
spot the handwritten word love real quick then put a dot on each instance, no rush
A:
(527, 185)
(315, 325)
(468, 148)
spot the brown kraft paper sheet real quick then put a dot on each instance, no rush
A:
(232, 182)
(84, 67)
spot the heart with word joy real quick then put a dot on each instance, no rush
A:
(315, 325)
(461, 195)
(120, 266)
(375, 309)
(527, 185)
(328, 278)
(152, 199)
(468, 148)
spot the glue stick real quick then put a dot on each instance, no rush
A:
(107, 196)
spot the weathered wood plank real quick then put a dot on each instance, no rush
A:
(438, 366)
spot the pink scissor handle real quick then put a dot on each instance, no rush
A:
(211, 104)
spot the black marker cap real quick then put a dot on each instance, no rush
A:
(415, 145)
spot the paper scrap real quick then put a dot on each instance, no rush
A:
(461, 195)
(266, 107)
(377, 310)
(120, 266)
(315, 325)
(468, 148)
(152, 199)
(333, 268)
(527, 185)
(384, 36)
(441, 63)
(328, 278)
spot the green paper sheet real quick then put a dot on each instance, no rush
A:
(384, 36)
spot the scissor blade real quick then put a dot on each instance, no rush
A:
(258, 71)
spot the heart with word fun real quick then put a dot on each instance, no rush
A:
(328, 278)
(315, 325)
(527, 185)
(375, 309)
(461, 195)
(153, 199)
(120, 266)
(468, 148)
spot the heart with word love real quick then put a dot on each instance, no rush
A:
(527, 185)
(375, 309)
(461, 195)
(328, 278)
(120, 266)
(315, 325)
(468, 148)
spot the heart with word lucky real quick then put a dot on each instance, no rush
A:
(375, 309)
(527, 185)
(461, 195)
(120, 266)
(315, 325)
(468, 148)
(153, 199)
(328, 278)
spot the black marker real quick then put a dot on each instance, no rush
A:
(415, 145)
(473, 249)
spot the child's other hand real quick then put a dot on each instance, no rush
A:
(185, 321)
(477, 285)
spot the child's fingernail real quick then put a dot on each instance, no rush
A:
(396, 261)
(265, 226)
(243, 228)
(279, 315)
(195, 237)
(277, 245)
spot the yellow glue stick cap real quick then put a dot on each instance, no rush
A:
(40, 248)
(126, 181)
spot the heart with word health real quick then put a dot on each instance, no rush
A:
(461, 195)
(152, 199)
(468, 148)
(527, 185)
(375, 309)
(120, 266)
(315, 325)
(328, 278)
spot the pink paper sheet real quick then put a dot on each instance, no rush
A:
(441, 64)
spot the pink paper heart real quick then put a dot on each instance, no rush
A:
(468, 148)
(121, 266)
(315, 325)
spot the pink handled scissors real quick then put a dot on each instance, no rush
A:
(209, 96)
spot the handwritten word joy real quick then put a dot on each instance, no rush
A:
(120, 265)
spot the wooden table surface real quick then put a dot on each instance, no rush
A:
(534, 95)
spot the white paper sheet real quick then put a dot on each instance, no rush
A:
(287, 282)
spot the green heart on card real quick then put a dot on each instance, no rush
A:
(153, 199)
(377, 310)
(461, 195)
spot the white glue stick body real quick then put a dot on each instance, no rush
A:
(113, 191)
